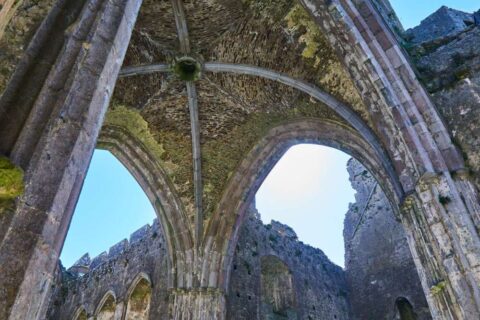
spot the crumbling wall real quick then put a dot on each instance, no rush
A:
(449, 67)
(87, 282)
(378, 263)
(309, 286)
(318, 285)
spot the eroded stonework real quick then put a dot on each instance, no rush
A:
(327, 72)
(378, 264)
(314, 289)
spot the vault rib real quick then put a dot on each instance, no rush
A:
(197, 158)
(339, 107)
(182, 30)
(181, 23)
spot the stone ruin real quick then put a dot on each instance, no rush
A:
(274, 275)
(199, 99)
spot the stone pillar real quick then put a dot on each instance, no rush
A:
(50, 117)
(119, 311)
(198, 304)
(447, 268)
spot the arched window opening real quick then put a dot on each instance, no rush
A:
(309, 190)
(81, 314)
(139, 301)
(110, 196)
(278, 295)
(405, 310)
(106, 309)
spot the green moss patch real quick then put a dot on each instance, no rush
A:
(438, 288)
(131, 120)
(187, 69)
(11, 179)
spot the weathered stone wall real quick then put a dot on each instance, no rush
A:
(449, 67)
(115, 271)
(318, 285)
(378, 263)
(314, 289)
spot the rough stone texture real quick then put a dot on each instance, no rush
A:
(18, 22)
(58, 96)
(314, 288)
(449, 67)
(343, 47)
(116, 271)
(444, 22)
(378, 264)
(318, 290)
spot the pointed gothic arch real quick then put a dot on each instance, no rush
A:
(106, 307)
(405, 309)
(223, 230)
(80, 314)
(139, 298)
(148, 172)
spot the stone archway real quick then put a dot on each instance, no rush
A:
(106, 307)
(139, 299)
(277, 290)
(404, 309)
(52, 123)
(132, 151)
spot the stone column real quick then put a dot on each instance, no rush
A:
(447, 271)
(120, 310)
(50, 117)
(198, 304)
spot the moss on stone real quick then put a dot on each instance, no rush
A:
(221, 157)
(438, 288)
(187, 69)
(132, 120)
(171, 150)
(11, 179)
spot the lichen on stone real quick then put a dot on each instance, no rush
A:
(11, 179)
(187, 69)
(131, 119)
(220, 158)
(438, 288)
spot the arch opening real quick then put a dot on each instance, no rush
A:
(405, 309)
(277, 291)
(309, 190)
(139, 300)
(280, 240)
(111, 196)
(106, 308)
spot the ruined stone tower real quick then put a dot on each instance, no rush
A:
(199, 99)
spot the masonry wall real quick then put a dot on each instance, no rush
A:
(378, 264)
(317, 288)
(449, 67)
(115, 271)
(319, 285)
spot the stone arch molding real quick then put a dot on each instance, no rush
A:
(80, 314)
(54, 145)
(223, 230)
(100, 312)
(148, 172)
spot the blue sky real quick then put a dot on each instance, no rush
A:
(111, 206)
(308, 189)
(412, 12)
